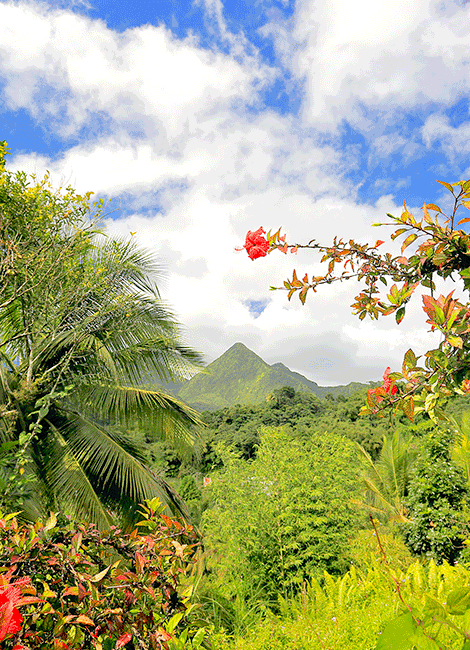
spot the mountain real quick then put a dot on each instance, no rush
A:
(239, 376)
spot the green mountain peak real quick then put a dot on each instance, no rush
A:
(240, 376)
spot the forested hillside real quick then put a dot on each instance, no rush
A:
(239, 376)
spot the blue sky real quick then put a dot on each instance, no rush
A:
(204, 119)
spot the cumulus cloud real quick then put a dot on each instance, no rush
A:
(455, 141)
(360, 60)
(184, 145)
(57, 63)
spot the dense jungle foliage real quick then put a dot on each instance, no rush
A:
(292, 483)
(291, 524)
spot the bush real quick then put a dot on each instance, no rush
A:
(67, 586)
(284, 516)
(436, 500)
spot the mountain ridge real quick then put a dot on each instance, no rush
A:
(240, 376)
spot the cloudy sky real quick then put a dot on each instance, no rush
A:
(203, 119)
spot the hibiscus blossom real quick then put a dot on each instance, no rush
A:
(256, 245)
(388, 387)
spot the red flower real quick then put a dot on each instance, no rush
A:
(389, 385)
(256, 245)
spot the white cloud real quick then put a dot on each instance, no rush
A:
(375, 56)
(205, 170)
(144, 76)
(455, 141)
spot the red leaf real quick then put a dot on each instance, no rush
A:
(139, 562)
(125, 638)
(10, 620)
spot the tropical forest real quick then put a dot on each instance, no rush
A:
(150, 502)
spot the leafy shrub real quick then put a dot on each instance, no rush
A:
(284, 516)
(437, 496)
(71, 586)
(365, 552)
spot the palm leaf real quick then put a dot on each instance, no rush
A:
(63, 477)
(104, 330)
(170, 419)
(386, 481)
(113, 466)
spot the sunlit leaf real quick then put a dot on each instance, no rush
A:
(397, 634)
(455, 341)
(409, 240)
(458, 600)
(446, 185)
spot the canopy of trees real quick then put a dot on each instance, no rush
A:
(82, 327)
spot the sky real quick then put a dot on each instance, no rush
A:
(202, 119)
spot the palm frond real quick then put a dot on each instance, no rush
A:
(113, 466)
(101, 327)
(131, 268)
(67, 480)
(136, 342)
(12, 330)
(168, 417)
(386, 481)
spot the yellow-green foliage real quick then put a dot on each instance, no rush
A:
(350, 612)
(364, 550)
(284, 516)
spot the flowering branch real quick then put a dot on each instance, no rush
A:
(442, 251)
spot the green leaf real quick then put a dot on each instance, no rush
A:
(400, 315)
(458, 600)
(410, 359)
(397, 634)
(433, 606)
(439, 316)
(408, 408)
(198, 637)
(174, 621)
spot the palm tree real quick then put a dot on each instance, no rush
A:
(76, 356)
(386, 481)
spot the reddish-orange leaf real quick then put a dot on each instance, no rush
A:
(433, 206)
(139, 562)
(123, 640)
